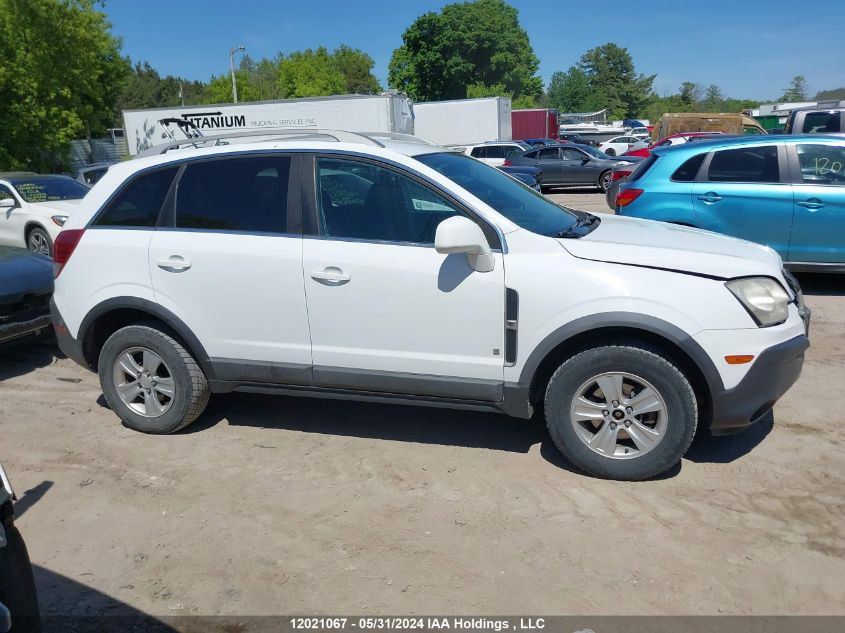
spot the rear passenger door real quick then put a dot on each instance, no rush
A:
(548, 159)
(227, 260)
(818, 176)
(745, 192)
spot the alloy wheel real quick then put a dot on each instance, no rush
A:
(619, 415)
(144, 382)
(38, 243)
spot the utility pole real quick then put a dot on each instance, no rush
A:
(232, 51)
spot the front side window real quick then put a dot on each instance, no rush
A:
(570, 153)
(518, 203)
(822, 164)
(479, 152)
(138, 203)
(234, 194)
(5, 193)
(745, 164)
(364, 201)
(49, 188)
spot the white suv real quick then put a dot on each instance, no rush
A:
(495, 153)
(398, 271)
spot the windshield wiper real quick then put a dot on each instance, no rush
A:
(585, 220)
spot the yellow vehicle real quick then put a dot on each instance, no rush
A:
(727, 122)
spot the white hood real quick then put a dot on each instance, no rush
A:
(669, 246)
(54, 207)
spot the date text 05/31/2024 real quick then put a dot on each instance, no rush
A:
(416, 623)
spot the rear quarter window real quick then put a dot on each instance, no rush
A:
(688, 171)
(138, 203)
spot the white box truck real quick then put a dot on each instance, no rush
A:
(353, 113)
(464, 121)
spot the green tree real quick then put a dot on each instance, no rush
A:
(468, 43)
(713, 98)
(570, 91)
(689, 95)
(60, 75)
(610, 71)
(145, 88)
(310, 73)
(356, 66)
(830, 95)
(797, 90)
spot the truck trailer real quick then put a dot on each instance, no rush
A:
(353, 113)
(464, 121)
(534, 123)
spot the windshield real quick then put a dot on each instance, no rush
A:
(518, 203)
(49, 188)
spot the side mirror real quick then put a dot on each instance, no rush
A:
(461, 235)
(585, 160)
(8, 203)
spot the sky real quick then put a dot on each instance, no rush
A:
(749, 48)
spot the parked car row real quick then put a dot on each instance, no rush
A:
(787, 192)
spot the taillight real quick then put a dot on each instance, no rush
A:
(507, 163)
(619, 175)
(63, 248)
(627, 196)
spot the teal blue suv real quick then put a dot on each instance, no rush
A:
(787, 192)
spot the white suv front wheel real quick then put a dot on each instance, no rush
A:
(621, 412)
(150, 380)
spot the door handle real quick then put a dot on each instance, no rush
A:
(174, 264)
(710, 197)
(812, 204)
(331, 276)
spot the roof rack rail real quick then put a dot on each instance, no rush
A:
(399, 136)
(340, 136)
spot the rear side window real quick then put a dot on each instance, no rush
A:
(824, 122)
(495, 151)
(688, 171)
(745, 164)
(512, 150)
(550, 152)
(235, 194)
(822, 164)
(139, 203)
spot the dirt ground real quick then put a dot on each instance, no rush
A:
(273, 505)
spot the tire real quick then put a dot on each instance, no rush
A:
(610, 151)
(662, 435)
(17, 585)
(152, 409)
(38, 241)
(604, 181)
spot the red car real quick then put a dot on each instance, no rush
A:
(672, 139)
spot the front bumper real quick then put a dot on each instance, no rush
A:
(772, 374)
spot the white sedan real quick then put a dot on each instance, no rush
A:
(34, 208)
(619, 145)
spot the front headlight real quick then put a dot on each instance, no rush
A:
(59, 219)
(763, 297)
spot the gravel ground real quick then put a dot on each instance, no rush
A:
(273, 505)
